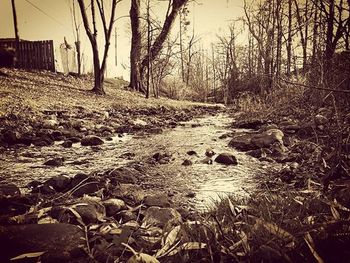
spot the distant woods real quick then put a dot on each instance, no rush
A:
(282, 39)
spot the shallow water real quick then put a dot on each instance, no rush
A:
(208, 181)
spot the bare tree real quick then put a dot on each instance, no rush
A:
(137, 76)
(99, 68)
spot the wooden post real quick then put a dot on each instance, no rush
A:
(14, 13)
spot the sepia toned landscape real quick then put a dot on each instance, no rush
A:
(175, 131)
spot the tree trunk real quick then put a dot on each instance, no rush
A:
(98, 73)
(135, 53)
(159, 41)
(289, 41)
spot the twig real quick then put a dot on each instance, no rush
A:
(318, 88)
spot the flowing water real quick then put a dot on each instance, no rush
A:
(207, 181)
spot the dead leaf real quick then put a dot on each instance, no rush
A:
(335, 213)
(232, 208)
(275, 230)
(188, 246)
(142, 258)
(28, 255)
(47, 220)
(309, 241)
(169, 241)
(77, 216)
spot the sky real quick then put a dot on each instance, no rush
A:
(52, 20)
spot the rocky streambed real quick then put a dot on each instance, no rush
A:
(128, 183)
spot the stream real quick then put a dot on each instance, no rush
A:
(207, 181)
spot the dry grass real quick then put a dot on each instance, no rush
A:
(23, 91)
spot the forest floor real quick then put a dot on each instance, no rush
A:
(298, 212)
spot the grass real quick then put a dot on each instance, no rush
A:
(36, 91)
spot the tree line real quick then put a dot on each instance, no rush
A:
(284, 38)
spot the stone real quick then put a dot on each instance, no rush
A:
(125, 175)
(250, 124)
(74, 139)
(132, 194)
(187, 162)
(67, 144)
(57, 135)
(243, 143)
(257, 153)
(113, 206)
(191, 152)
(49, 124)
(207, 160)
(160, 200)
(226, 158)
(9, 190)
(139, 122)
(267, 138)
(126, 216)
(191, 194)
(10, 137)
(161, 217)
(91, 140)
(58, 161)
(60, 182)
(209, 152)
(90, 212)
(162, 157)
(60, 242)
(83, 184)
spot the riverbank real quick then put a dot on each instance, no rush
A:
(55, 138)
(111, 171)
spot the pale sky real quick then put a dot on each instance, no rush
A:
(54, 22)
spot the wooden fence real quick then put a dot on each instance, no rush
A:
(33, 54)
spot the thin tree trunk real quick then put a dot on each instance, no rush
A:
(289, 41)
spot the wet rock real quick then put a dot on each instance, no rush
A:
(10, 137)
(44, 140)
(226, 158)
(191, 152)
(49, 124)
(83, 184)
(250, 124)
(154, 130)
(161, 217)
(60, 242)
(160, 200)
(91, 140)
(187, 162)
(267, 138)
(132, 194)
(139, 122)
(126, 216)
(74, 139)
(90, 212)
(9, 190)
(58, 161)
(162, 157)
(67, 144)
(191, 194)
(209, 152)
(243, 143)
(207, 160)
(125, 175)
(60, 182)
(113, 206)
(257, 153)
